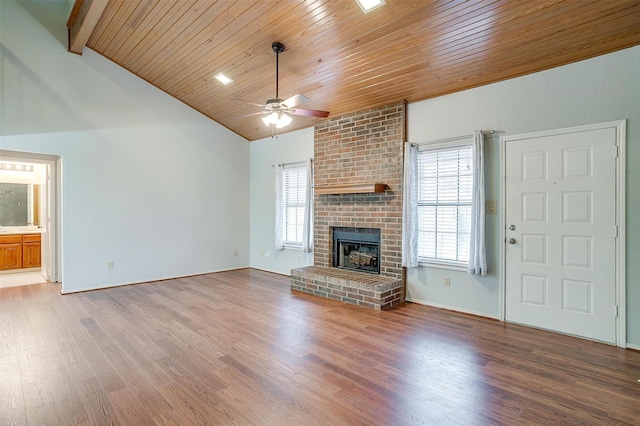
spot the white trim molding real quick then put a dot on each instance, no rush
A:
(451, 308)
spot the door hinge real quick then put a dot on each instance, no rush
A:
(616, 311)
(617, 151)
(615, 231)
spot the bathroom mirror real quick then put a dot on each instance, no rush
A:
(19, 204)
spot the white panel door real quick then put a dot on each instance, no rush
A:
(560, 217)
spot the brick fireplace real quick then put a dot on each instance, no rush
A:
(361, 148)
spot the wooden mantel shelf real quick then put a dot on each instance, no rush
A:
(358, 188)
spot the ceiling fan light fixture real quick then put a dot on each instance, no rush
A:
(270, 119)
(369, 5)
(283, 121)
(280, 120)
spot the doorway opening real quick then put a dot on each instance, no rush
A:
(29, 218)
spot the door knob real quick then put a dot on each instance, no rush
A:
(512, 241)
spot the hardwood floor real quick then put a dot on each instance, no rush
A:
(240, 348)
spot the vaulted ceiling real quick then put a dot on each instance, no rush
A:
(341, 58)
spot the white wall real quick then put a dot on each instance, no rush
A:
(287, 148)
(604, 88)
(148, 183)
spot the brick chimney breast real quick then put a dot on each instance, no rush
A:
(363, 147)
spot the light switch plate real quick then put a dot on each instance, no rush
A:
(490, 207)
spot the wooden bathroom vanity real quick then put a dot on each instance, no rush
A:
(19, 251)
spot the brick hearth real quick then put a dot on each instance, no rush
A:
(358, 288)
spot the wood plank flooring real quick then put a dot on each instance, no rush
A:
(240, 348)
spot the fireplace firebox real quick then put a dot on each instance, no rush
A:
(356, 249)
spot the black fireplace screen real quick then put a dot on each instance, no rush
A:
(357, 249)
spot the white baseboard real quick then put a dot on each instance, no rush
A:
(634, 347)
(150, 280)
(451, 308)
(270, 271)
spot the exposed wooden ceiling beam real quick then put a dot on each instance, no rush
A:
(83, 19)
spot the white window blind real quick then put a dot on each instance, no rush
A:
(295, 193)
(445, 178)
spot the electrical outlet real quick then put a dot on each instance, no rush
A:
(110, 264)
(235, 252)
(447, 282)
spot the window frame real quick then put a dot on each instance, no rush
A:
(448, 145)
(301, 168)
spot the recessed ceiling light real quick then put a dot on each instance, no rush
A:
(223, 79)
(369, 5)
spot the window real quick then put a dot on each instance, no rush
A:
(294, 206)
(445, 178)
(294, 191)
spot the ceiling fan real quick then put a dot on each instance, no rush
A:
(276, 109)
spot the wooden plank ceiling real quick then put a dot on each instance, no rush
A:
(342, 59)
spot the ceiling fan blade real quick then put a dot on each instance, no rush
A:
(296, 99)
(247, 102)
(309, 112)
